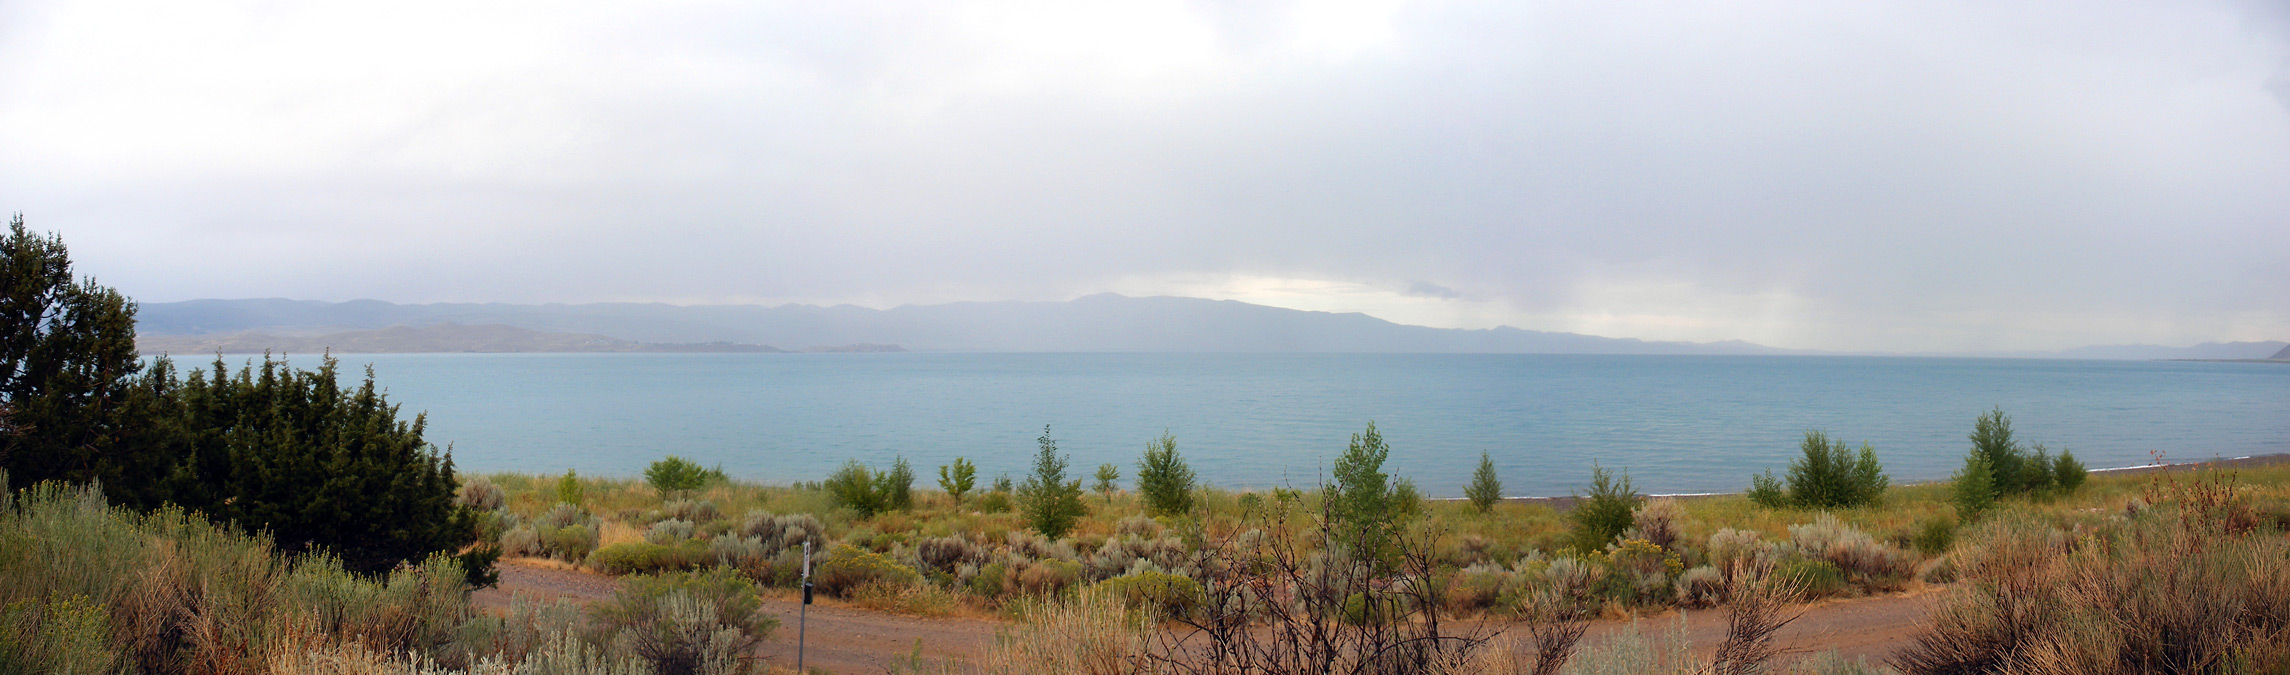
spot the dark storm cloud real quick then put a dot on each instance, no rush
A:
(1851, 175)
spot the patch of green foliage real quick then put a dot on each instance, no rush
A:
(674, 474)
(1934, 536)
(569, 489)
(1605, 512)
(639, 557)
(1812, 578)
(1974, 488)
(1108, 477)
(1165, 594)
(848, 567)
(2009, 469)
(870, 492)
(1406, 500)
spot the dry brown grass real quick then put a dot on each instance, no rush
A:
(1095, 634)
(2193, 583)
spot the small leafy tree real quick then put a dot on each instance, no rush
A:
(1048, 501)
(1610, 508)
(1974, 490)
(1361, 497)
(1164, 479)
(1485, 489)
(1108, 477)
(569, 489)
(674, 474)
(853, 487)
(957, 479)
(869, 492)
(896, 486)
(2007, 462)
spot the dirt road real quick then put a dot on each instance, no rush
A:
(1871, 628)
(841, 639)
(845, 639)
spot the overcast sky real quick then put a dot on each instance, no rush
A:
(1848, 175)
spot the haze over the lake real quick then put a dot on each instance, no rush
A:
(1852, 175)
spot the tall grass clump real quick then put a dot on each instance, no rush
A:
(1094, 634)
(87, 587)
(1829, 475)
(688, 624)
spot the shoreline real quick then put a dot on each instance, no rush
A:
(1567, 502)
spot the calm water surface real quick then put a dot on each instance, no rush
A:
(1677, 423)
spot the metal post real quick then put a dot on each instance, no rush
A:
(803, 613)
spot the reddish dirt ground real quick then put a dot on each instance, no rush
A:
(846, 639)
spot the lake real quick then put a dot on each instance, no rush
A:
(1675, 423)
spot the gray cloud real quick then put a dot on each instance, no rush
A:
(1426, 289)
(1867, 175)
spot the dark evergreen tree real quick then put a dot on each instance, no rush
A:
(292, 453)
(72, 406)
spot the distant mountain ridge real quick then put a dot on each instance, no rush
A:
(1104, 322)
(434, 339)
(1097, 323)
(2221, 351)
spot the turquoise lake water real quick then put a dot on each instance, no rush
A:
(1676, 423)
